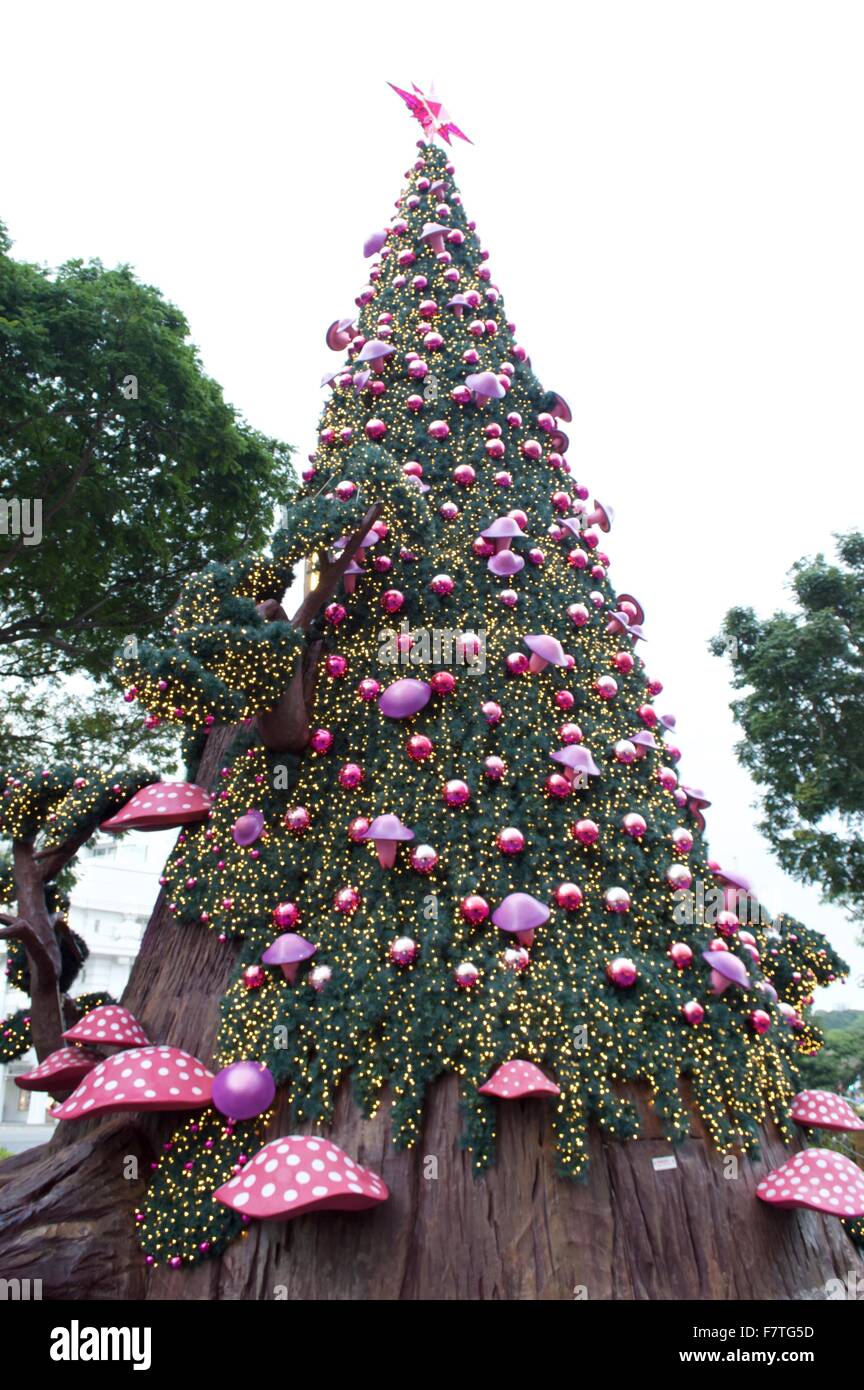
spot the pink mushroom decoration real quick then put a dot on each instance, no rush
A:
(726, 969)
(111, 1025)
(484, 387)
(544, 651)
(576, 758)
(502, 532)
(375, 352)
(696, 804)
(824, 1110)
(458, 304)
(60, 1070)
(350, 576)
(433, 235)
(625, 602)
(386, 833)
(516, 1080)
(300, 1173)
(601, 516)
(505, 563)
(373, 243)
(819, 1179)
(147, 1078)
(161, 806)
(289, 951)
(521, 915)
(561, 410)
(339, 334)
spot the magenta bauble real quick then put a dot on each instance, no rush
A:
(682, 839)
(564, 699)
(404, 950)
(668, 778)
(625, 751)
(760, 1022)
(297, 820)
(424, 859)
(375, 429)
(347, 900)
(623, 662)
(438, 429)
(516, 663)
(494, 768)
(243, 1090)
(419, 747)
(587, 832)
(286, 915)
(254, 976)
(648, 715)
(617, 900)
(491, 712)
(578, 614)
(442, 585)
(570, 733)
(336, 666)
(456, 792)
(510, 840)
(634, 825)
(678, 876)
(680, 954)
(350, 776)
(622, 972)
(474, 909)
(516, 958)
(569, 896)
(368, 689)
(693, 1012)
(557, 785)
(392, 600)
(464, 475)
(443, 683)
(321, 741)
(606, 687)
(358, 828)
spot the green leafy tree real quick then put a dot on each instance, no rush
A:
(122, 468)
(802, 713)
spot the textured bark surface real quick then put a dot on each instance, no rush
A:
(518, 1232)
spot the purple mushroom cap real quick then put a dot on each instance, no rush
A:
(288, 949)
(388, 827)
(458, 302)
(431, 229)
(520, 912)
(561, 409)
(373, 243)
(547, 648)
(668, 721)
(485, 384)
(645, 739)
(574, 524)
(353, 568)
(360, 380)
(505, 563)
(576, 756)
(733, 880)
(404, 698)
(503, 526)
(695, 795)
(374, 349)
(768, 990)
(247, 829)
(730, 966)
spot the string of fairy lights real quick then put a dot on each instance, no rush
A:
(467, 1000)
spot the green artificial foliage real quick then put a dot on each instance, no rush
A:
(411, 978)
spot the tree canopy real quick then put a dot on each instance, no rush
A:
(802, 713)
(122, 467)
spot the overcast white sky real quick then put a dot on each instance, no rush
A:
(672, 198)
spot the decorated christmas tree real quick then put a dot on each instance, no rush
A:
(456, 899)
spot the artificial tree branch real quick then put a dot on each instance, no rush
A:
(286, 728)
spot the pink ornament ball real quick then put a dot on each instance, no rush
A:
(286, 916)
(466, 975)
(443, 683)
(648, 715)
(564, 699)
(456, 792)
(680, 955)
(760, 1021)
(494, 768)
(569, 896)
(557, 785)
(320, 977)
(347, 900)
(297, 820)
(587, 832)
(438, 429)
(682, 839)
(511, 841)
(404, 950)
(668, 778)
(392, 600)
(623, 662)
(350, 776)
(570, 733)
(358, 828)
(491, 712)
(464, 475)
(375, 429)
(625, 751)
(474, 909)
(622, 972)
(634, 825)
(516, 663)
(424, 859)
(693, 1012)
(606, 687)
(419, 748)
(442, 585)
(617, 900)
(254, 976)
(368, 689)
(578, 614)
(679, 877)
(516, 958)
(336, 666)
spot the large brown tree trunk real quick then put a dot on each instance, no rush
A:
(518, 1232)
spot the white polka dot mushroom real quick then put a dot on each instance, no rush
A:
(60, 1070)
(300, 1173)
(111, 1025)
(824, 1110)
(147, 1078)
(161, 806)
(819, 1179)
(516, 1079)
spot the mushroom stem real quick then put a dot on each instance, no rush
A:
(386, 851)
(537, 663)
